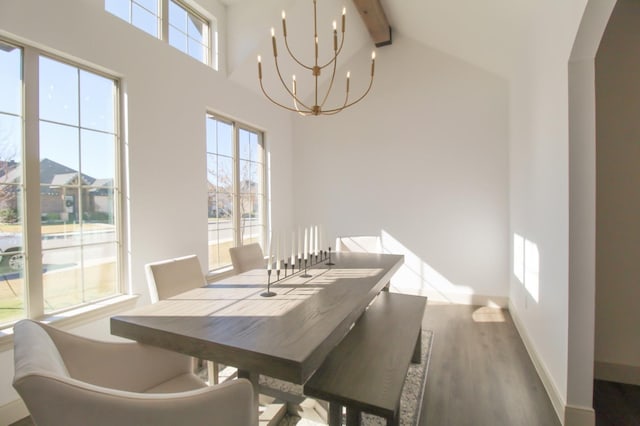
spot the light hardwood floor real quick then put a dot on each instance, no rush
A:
(480, 373)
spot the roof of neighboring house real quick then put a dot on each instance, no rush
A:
(51, 172)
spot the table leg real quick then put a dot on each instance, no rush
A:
(353, 417)
(335, 414)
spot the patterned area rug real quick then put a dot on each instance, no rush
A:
(410, 405)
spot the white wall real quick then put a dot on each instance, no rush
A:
(557, 328)
(422, 161)
(167, 94)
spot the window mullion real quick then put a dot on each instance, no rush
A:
(34, 290)
(164, 21)
(236, 187)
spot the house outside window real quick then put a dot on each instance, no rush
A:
(236, 188)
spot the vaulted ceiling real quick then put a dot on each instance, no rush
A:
(488, 34)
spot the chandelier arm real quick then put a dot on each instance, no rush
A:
(295, 98)
(335, 110)
(344, 105)
(281, 105)
(301, 112)
(335, 55)
(333, 76)
(286, 44)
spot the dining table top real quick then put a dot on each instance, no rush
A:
(286, 336)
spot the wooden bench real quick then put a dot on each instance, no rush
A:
(367, 369)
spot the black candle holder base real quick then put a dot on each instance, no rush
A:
(268, 294)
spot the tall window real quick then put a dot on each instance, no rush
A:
(12, 292)
(174, 22)
(235, 171)
(73, 132)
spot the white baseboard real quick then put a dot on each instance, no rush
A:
(557, 400)
(12, 412)
(629, 374)
(579, 416)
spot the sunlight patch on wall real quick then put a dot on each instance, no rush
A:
(526, 265)
(418, 277)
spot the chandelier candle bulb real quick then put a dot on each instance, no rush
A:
(273, 42)
(373, 62)
(259, 67)
(344, 14)
(348, 76)
(284, 24)
(335, 37)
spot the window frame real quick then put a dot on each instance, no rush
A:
(262, 202)
(34, 303)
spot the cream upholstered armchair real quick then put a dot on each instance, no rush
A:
(245, 258)
(68, 380)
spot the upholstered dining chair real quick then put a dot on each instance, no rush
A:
(67, 380)
(245, 258)
(169, 277)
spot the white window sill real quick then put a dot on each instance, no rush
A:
(78, 316)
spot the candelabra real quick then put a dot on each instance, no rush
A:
(312, 260)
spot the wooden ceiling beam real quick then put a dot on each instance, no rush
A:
(375, 20)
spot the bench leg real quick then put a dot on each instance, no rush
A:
(394, 420)
(353, 417)
(417, 351)
(335, 414)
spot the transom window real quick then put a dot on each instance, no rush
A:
(188, 32)
(183, 28)
(235, 173)
(143, 14)
(64, 166)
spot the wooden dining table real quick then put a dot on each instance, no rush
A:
(286, 336)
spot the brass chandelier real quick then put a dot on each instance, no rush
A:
(318, 108)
